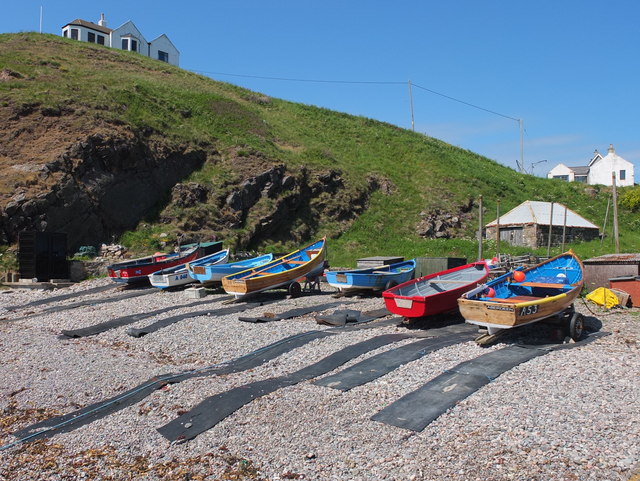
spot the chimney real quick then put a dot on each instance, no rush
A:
(102, 22)
(611, 149)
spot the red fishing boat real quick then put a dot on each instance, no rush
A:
(138, 270)
(435, 293)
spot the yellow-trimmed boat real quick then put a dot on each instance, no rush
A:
(525, 296)
(282, 272)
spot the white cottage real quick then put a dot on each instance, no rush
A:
(125, 37)
(598, 171)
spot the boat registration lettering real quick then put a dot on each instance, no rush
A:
(528, 310)
(499, 307)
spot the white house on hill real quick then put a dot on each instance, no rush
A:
(125, 37)
(598, 171)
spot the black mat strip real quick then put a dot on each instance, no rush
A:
(40, 302)
(135, 332)
(385, 362)
(124, 321)
(88, 414)
(299, 312)
(90, 302)
(418, 409)
(215, 408)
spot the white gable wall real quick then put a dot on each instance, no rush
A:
(600, 171)
(161, 46)
(561, 171)
(128, 31)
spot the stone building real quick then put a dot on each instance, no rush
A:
(528, 225)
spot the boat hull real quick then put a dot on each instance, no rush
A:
(515, 304)
(377, 278)
(436, 293)
(180, 274)
(205, 272)
(138, 270)
(306, 262)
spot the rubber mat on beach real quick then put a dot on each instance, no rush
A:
(298, 312)
(88, 414)
(418, 409)
(134, 332)
(215, 408)
(88, 302)
(121, 321)
(377, 366)
(62, 297)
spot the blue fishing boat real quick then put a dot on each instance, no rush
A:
(179, 275)
(522, 297)
(205, 271)
(378, 278)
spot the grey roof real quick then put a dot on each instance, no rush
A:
(536, 212)
(91, 25)
(581, 170)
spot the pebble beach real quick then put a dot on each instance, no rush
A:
(571, 414)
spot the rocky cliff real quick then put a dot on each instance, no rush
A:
(95, 188)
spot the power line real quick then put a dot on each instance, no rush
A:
(465, 103)
(370, 82)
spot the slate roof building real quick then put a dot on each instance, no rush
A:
(528, 225)
(125, 37)
(598, 171)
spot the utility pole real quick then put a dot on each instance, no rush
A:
(413, 126)
(480, 229)
(40, 18)
(550, 231)
(615, 213)
(498, 231)
(521, 147)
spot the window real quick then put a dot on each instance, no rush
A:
(623, 175)
(91, 37)
(134, 45)
(125, 44)
(74, 33)
(164, 56)
(561, 177)
(100, 40)
(581, 178)
(65, 33)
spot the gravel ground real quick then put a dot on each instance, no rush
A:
(572, 414)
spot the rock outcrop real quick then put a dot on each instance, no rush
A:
(99, 187)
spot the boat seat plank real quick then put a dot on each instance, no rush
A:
(446, 281)
(514, 299)
(296, 262)
(541, 284)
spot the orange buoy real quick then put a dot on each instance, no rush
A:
(518, 276)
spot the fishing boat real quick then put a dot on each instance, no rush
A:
(205, 271)
(138, 270)
(307, 262)
(180, 275)
(373, 278)
(435, 293)
(529, 295)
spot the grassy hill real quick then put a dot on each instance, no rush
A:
(85, 88)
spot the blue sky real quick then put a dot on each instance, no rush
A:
(569, 69)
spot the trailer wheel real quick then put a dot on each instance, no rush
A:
(576, 326)
(295, 289)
